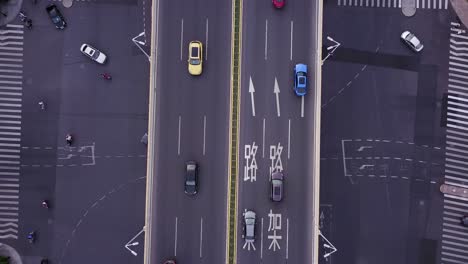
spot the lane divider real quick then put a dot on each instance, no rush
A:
(236, 49)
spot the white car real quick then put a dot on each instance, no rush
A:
(93, 53)
(412, 41)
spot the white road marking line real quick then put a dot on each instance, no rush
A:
(204, 134)
(302, 106)
(289, 138)
(201, 236)
(287, 238)
(266, 38)
(178, 139)
(206, 41)
(261, 241)
(181, 37)
(292, 30)
(263, 139)
(175, 240)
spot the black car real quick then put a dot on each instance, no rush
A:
(191, 177)
(56, 16)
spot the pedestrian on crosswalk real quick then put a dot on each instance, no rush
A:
(42, 105)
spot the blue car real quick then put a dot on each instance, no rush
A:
(300, 79)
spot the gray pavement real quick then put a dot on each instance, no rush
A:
(191, 124)
(101, 178)
(278, 133)
(382, 140)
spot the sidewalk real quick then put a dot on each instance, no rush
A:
(461, 8)
(6, 250)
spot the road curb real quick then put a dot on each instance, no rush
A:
(236, 48)
(150, 167)
(316, 138)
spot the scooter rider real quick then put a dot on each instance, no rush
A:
(69, 139)
(31, 236)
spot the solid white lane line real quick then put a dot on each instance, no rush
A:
(287, 238)
(266, 38)
(181, 37)
(10, 122)
(10, 139)
(10, 145)
(261, 241)
(9, 196)
(9, 185)
(289, 138)
(263, 139)
(206, 42)
(11, 88)
(204, 134)
(201, 236)
(9, 168)
(11, 99)
(302, 106)
(10, 127)
(292, 30)
(178, 139)
(10, 133)
(175, 240)
(10, 156)
(10, 105)
(9, 208)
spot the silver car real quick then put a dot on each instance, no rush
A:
(412, 41)
(249, 226)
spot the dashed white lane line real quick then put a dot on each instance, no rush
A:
(266, 39)
(206, 40)
(291, 43)
(289, 138)
(181, 37)
(175, 237)
(204, 134)
(201, 236)
(178, 138)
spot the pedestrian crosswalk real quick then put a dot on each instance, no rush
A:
(454, 236)
(420, 4)
(11, 76)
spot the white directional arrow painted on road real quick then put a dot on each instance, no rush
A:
(252, 91)
(327, 245)
(132, 242)
(363, 148)
(365, 166)
(276, 90)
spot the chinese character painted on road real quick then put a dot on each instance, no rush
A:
(275, 157)
(275, 225)
(250, 167)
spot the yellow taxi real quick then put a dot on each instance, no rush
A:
(195, 61)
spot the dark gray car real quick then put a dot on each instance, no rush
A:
(276, 194)
(191, 177)
(56, 16)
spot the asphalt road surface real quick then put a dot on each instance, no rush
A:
(382, 140)
(192, 121)
(96, 188)
(276, 131)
